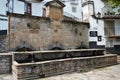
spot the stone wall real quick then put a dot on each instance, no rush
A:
(39, 33)
(5, 63)
(60, 66)
(3, 43)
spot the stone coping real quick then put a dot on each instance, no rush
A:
(60, 51)
(2, 54)
(32, 63)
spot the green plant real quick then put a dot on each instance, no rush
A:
(115, 3)
(118, 10)
(113, 13)
(108, 12)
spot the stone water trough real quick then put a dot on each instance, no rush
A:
(31, 65)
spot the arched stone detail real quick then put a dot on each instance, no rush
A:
(55, 46)
(24, 46)
(81, 46)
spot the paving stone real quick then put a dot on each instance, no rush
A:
(107, 73)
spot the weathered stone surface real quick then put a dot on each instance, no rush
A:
(5, 63)
(39, 33)
(54, 67)
(3, 43)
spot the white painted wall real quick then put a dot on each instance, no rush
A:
(68, 8)
(86, 13)
(94, 26)
(3, 24)
(18, 7)
(98, 5)
(37, 9)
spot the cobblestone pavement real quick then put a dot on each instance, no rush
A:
(107, 73)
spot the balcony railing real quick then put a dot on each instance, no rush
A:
(109, 13)
(113, 36)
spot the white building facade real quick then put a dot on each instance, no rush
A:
(96, 31)
(104, 24)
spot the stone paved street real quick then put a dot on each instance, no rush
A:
(107, 73)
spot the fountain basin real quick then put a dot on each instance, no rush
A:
(31, 70)
(37, 56)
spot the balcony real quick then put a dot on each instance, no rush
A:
(109, 13)
(113, 37)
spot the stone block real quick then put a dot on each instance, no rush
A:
(5, 63)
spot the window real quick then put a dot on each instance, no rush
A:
(74, 9)
(27, 8)
(99, 38)
(3, 32)
(74, 2)
(93, 33)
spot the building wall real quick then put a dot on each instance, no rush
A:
(86, 13)
(97, 25)
(3, 43)
(54, 13)
(109, 28)
(42, 32)
(5, 63)
(68, 8)
(102, 28)
(18, 7)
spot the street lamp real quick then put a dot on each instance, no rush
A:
(98, 16)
